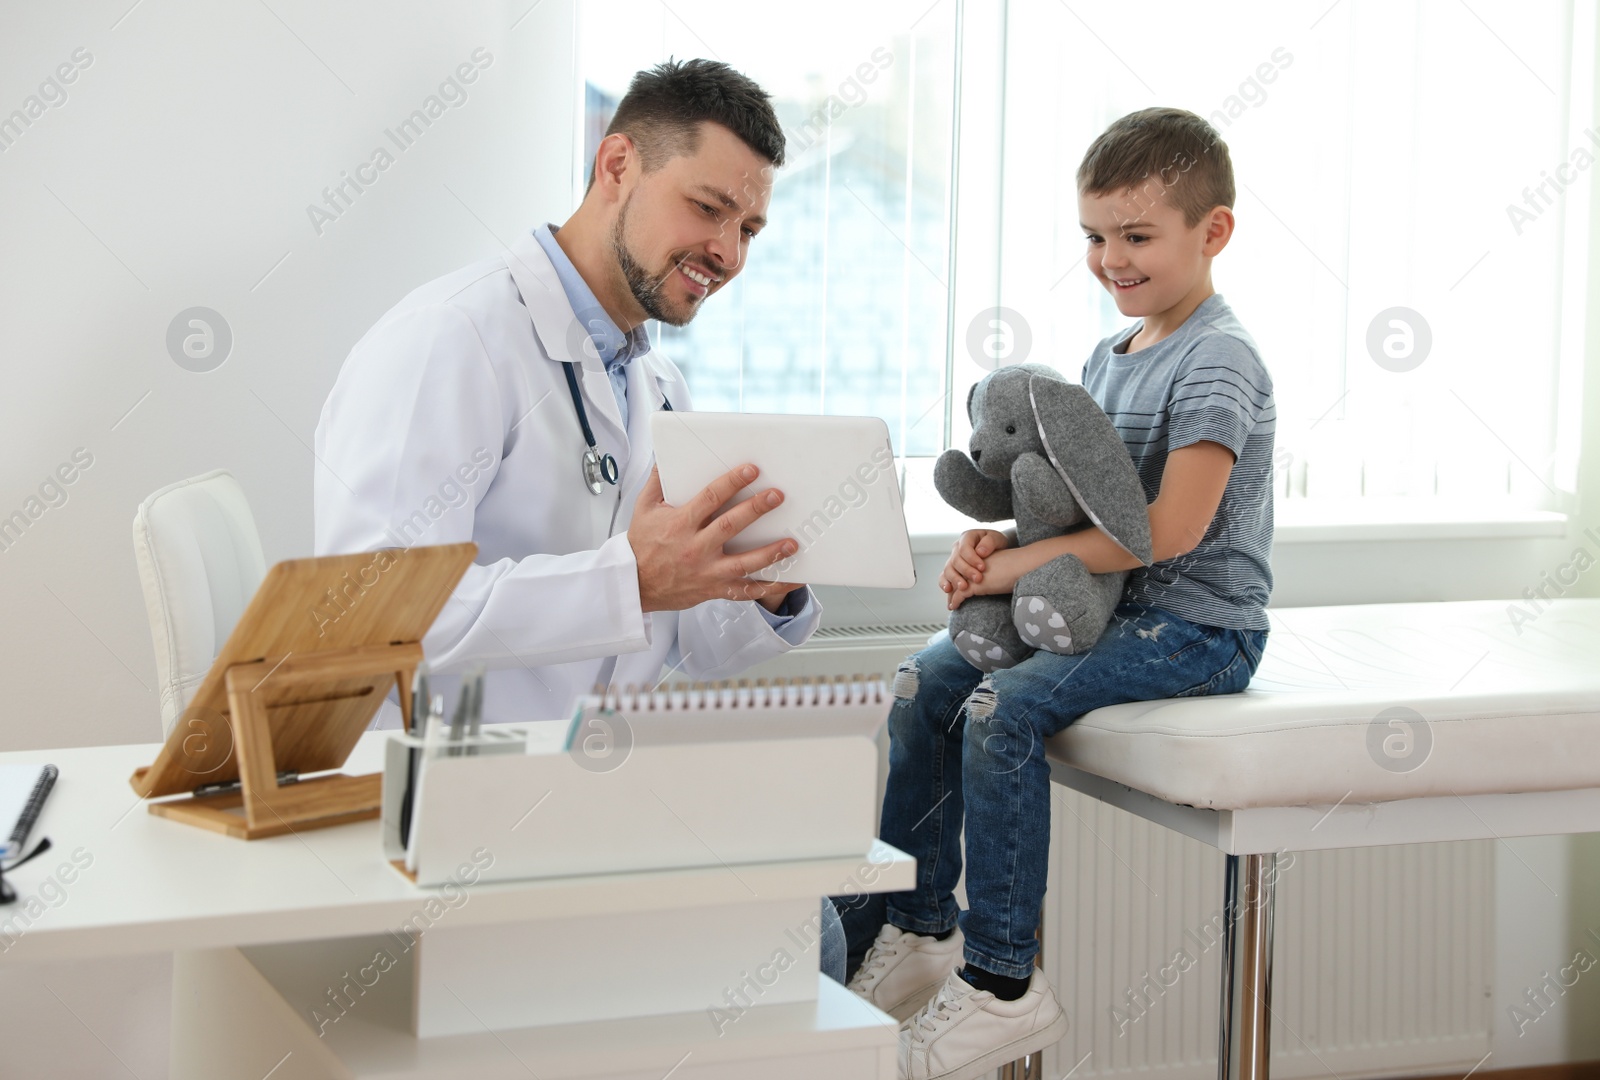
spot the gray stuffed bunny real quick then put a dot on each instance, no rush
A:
(1046, 455)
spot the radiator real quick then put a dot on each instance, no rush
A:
(851, 650)
(1382, 956)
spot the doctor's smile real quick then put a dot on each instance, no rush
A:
(700, 282)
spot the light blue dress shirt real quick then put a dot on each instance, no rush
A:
(616, 350)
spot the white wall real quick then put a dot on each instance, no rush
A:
(176, 174)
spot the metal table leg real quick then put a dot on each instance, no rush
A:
(1243, 1041)
(1030, 1067)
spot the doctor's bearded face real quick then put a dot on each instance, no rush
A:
(684, 230)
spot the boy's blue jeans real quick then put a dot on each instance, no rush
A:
(962, 746)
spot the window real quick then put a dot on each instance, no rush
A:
(1412, 216)
(1412, 194)
(842, 309)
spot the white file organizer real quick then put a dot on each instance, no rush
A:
(698, 777)
(714, 778)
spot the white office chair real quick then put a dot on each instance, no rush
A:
(200, 562)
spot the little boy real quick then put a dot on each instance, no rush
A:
(1186, 389)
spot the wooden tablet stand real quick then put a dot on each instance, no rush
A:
(298, 681)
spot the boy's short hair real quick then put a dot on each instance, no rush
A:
(665, 106)
(1171, 149)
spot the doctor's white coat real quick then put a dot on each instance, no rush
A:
(451, 420)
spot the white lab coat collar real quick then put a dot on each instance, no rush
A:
(561, 335)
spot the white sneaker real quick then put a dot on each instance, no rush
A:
(965, 1033)
(902, 970)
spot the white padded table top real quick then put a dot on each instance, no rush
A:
(1370, 703)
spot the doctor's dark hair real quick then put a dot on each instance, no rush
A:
(1160, 149)
(665, 106)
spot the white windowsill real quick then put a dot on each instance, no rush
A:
(934, 525)
(1302, 521)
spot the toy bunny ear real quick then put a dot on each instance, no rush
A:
(1085, 449)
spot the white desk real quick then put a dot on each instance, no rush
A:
(263, 930)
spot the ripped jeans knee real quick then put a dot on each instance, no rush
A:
(998, 742)
(907, 680)
(984, 700)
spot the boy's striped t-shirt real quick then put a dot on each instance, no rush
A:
(1204, 382)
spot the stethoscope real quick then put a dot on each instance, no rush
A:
(598, 469)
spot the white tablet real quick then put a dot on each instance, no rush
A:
(841, 491)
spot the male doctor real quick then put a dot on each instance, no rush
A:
(484, 404)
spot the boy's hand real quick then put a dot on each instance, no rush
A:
(967, 563)
(1001, 572)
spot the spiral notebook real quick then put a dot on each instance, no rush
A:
(737, 711)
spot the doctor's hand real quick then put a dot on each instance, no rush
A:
(679, 549)
(774, 600)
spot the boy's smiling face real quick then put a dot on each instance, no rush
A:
(1141, 250)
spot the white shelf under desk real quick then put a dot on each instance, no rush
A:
(270, 924)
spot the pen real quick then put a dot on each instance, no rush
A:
(475, 707)
(458, 720)
(420, 702)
